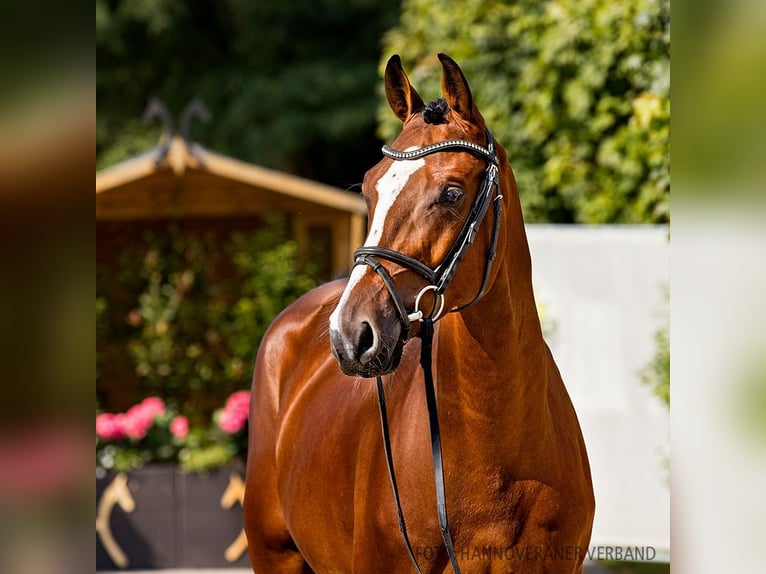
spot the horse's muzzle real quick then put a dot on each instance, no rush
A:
(365, 350)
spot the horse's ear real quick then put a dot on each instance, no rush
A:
(401, 96)
(455, 88)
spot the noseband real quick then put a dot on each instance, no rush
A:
(438, 279)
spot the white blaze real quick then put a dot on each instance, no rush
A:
(388, 187)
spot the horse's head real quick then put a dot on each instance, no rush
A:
(426, 209)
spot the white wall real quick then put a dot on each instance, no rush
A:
(604, 288)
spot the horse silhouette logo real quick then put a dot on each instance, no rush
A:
(234, 493)
(116, 494)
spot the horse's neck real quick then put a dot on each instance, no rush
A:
(492, 360)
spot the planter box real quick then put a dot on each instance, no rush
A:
(176, 519)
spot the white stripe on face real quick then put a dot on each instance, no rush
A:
(389, 186)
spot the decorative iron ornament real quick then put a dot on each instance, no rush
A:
(155, 109)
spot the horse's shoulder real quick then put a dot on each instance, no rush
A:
(301, 326)
(294, 341)
(309, 311)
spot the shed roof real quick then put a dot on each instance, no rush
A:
(180, 180)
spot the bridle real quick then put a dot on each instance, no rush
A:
(440, 276)
(438, 279)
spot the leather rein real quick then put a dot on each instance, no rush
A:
(438, 279)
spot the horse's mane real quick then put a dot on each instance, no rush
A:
(436, 112)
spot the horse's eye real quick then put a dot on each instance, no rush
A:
(451, 196)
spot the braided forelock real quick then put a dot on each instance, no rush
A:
(436, 112)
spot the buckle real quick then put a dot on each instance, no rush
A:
(417, 314)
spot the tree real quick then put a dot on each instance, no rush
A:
(290, 85)
(577, 91)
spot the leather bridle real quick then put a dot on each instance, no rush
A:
(440, 276)
(438, 279)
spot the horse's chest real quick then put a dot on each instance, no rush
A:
(317, 442)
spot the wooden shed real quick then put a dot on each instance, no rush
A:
(179, 180)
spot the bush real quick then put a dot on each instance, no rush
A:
(186, 313)
(577, 91)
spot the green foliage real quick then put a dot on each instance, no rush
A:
(210, 448)
(206, 457)
(192, 309)
(290, 85)
(657, 373)
(271, 277)
(577, 91)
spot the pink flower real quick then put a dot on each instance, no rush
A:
(239, 403)
(110, 426)
(153, 406)
(138, 420)
(179, 426)
(234, 414)
(229, 422)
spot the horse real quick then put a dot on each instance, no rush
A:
(441, 291)
(116, 494)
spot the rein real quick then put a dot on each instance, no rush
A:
(438, 278)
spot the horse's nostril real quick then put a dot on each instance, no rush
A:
(366, 338)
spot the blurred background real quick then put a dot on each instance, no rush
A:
(231, 140)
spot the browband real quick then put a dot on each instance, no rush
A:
(445, 145)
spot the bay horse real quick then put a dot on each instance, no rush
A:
(445, 272)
